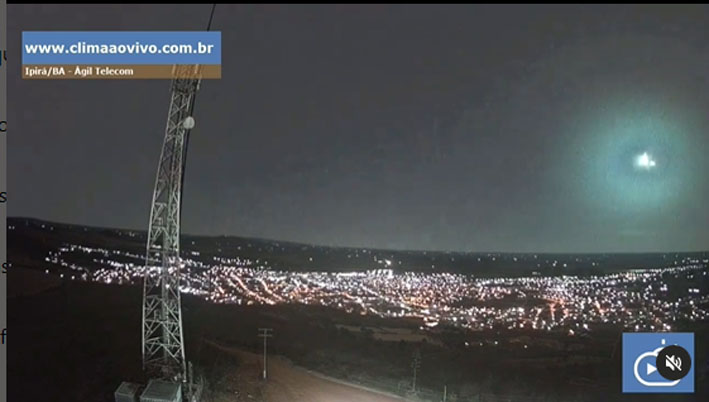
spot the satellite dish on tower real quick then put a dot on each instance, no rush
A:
(188, 123)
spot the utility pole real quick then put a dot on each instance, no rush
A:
(445, 393)
(265, 333)
(415, 364)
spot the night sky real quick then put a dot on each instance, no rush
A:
(468, 128)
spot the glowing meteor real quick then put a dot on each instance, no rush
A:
(644, 161)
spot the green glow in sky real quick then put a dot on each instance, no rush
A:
(634, 160)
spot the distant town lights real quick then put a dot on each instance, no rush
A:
(637, 299)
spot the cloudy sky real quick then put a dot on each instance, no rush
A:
(470, 128)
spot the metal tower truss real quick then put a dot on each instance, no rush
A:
(163, 346)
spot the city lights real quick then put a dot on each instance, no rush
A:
(636, 299)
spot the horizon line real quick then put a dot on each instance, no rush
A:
(371, 248)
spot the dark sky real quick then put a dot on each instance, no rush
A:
(470, 128)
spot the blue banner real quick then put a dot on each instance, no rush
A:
(106, 47)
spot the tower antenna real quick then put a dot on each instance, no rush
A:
(163, 343)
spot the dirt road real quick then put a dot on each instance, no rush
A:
(289, 383)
